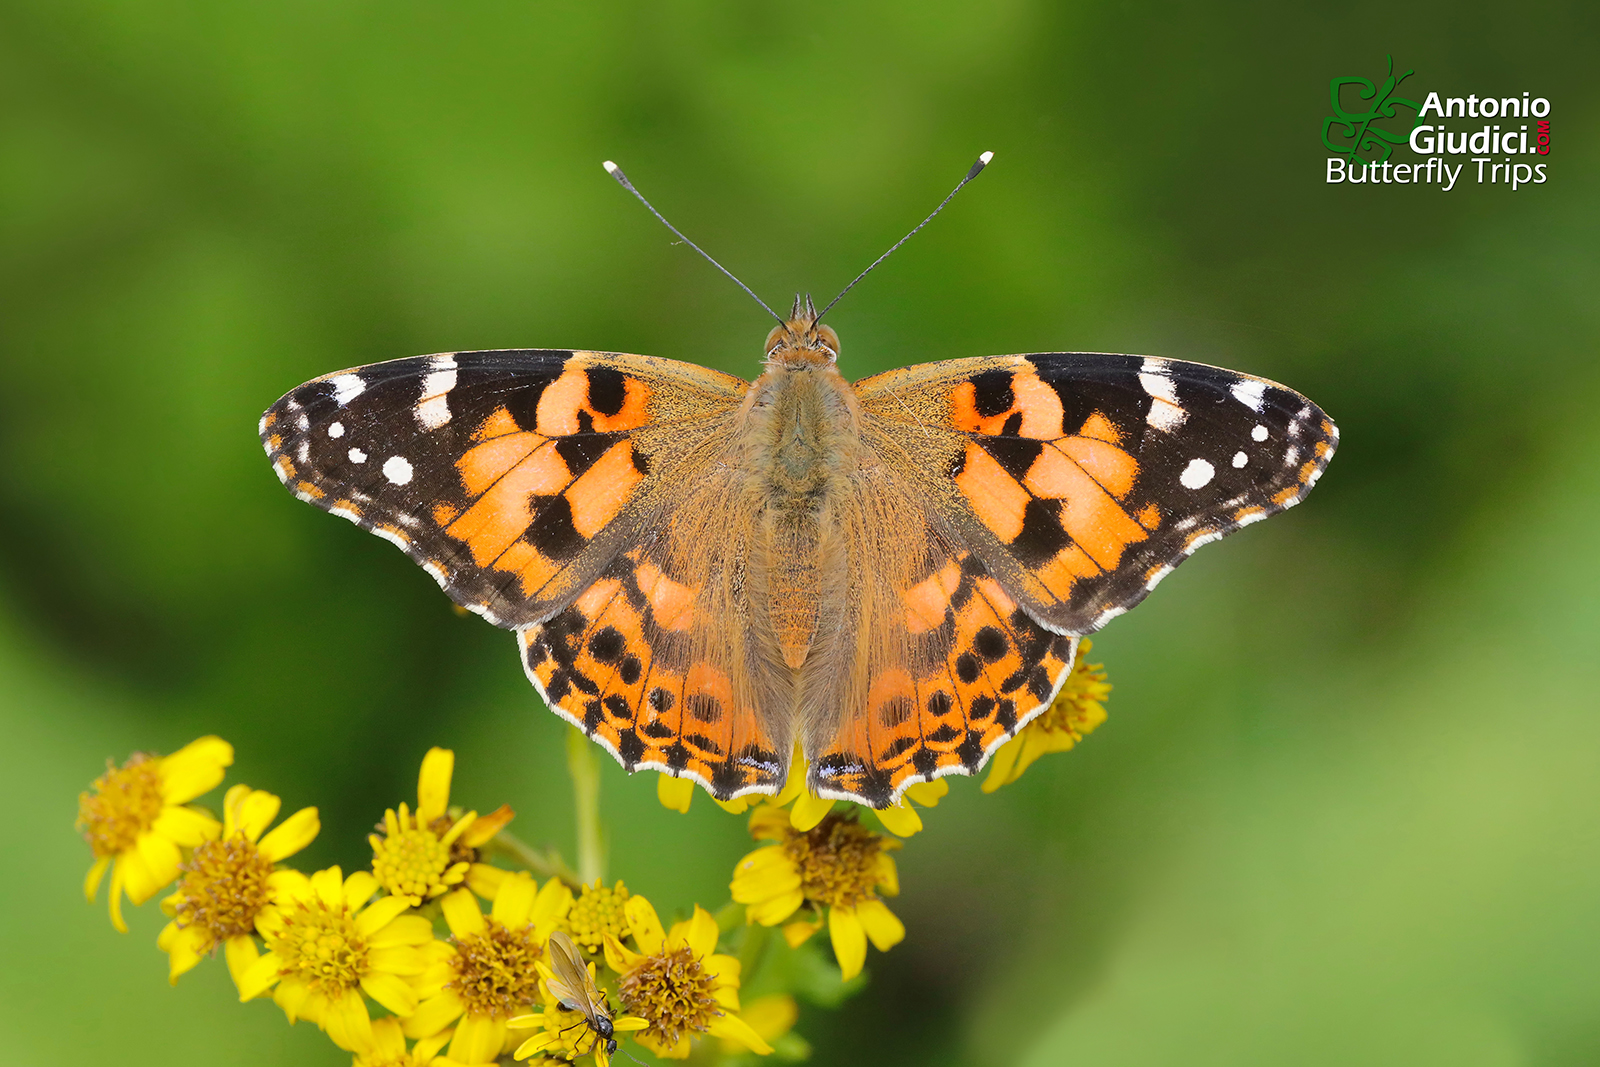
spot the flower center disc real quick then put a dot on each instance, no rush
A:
(494, 970)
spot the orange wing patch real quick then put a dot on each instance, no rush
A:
(978, 669)
(618, 664)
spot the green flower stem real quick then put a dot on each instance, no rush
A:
(547, 864)
(585, 771)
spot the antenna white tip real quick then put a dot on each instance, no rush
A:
(611, 168)
(984, 158)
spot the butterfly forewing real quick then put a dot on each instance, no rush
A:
(512, 476)
(1083, 479)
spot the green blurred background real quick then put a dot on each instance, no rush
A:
(1345, 808)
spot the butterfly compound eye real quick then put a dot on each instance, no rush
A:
(826, 335)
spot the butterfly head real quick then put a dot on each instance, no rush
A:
(802, 341)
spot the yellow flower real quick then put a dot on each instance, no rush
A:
(388, 1047)
(565, 1035)
(675, 793)
(1074, 713)
(839, 865)
(899, 818)
(136, 821)
(420, 856)
(598, 911)
(228, 882)
(326, 946)
(771, 1016)
(485, 974)
(678, 983)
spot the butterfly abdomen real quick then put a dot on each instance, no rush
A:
(799, 448)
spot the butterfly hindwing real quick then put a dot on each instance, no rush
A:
(1083, 479)
(511, 476)
(648, 659)
(946, 668)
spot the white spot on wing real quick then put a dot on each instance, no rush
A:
(1259, 433)
(1155, 579)
(303, 451)
(357, 456)
(433, 411)
(1249, 392)
(335, 429)
(1197, 474)
(346, 387)
(1239, 460)
(397, 469)
(1165, 412)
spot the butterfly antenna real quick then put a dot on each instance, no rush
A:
(977, 169)
(622, 179)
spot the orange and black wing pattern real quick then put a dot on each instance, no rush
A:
(948, 669)
(512, 476)
(1082, 479)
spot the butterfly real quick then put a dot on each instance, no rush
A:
(704, 573)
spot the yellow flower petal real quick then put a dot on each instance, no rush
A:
(241, 954)
(185, 826)
(485, 880)
(766, 872)
(391, 991)
(184, 948)
(91, 881)
(1001, 765)
(478, 1039)
(736, 806)
(771, 1016)
(514, 903)
(116, 898)
(486, 826)
(328, 885)
(298, 1002)
(407, 930)
(231, 800)
(358, 889)
(644, 925)
(388, 1040)
(883, 927)
(155, 866)
(769, 823)
(549, 908)
(459, 827)
(733, 1028)
(434, 1014)
(423, 1052)
(382, 912)
(900, 819)
(701, 934)
(928, 794)
(795, 780)
(888, 875)
(194, 769)
(534, 1045)
(259, 977)
(462, 913)
(255, 812)
(849, 940)
(292, 835)
(809, 809)
(347, 1022)
(433, 784)
(618, 957)
(674, 793)
(774, 910)
(799, 932)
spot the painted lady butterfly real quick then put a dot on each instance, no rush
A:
(702, 571)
